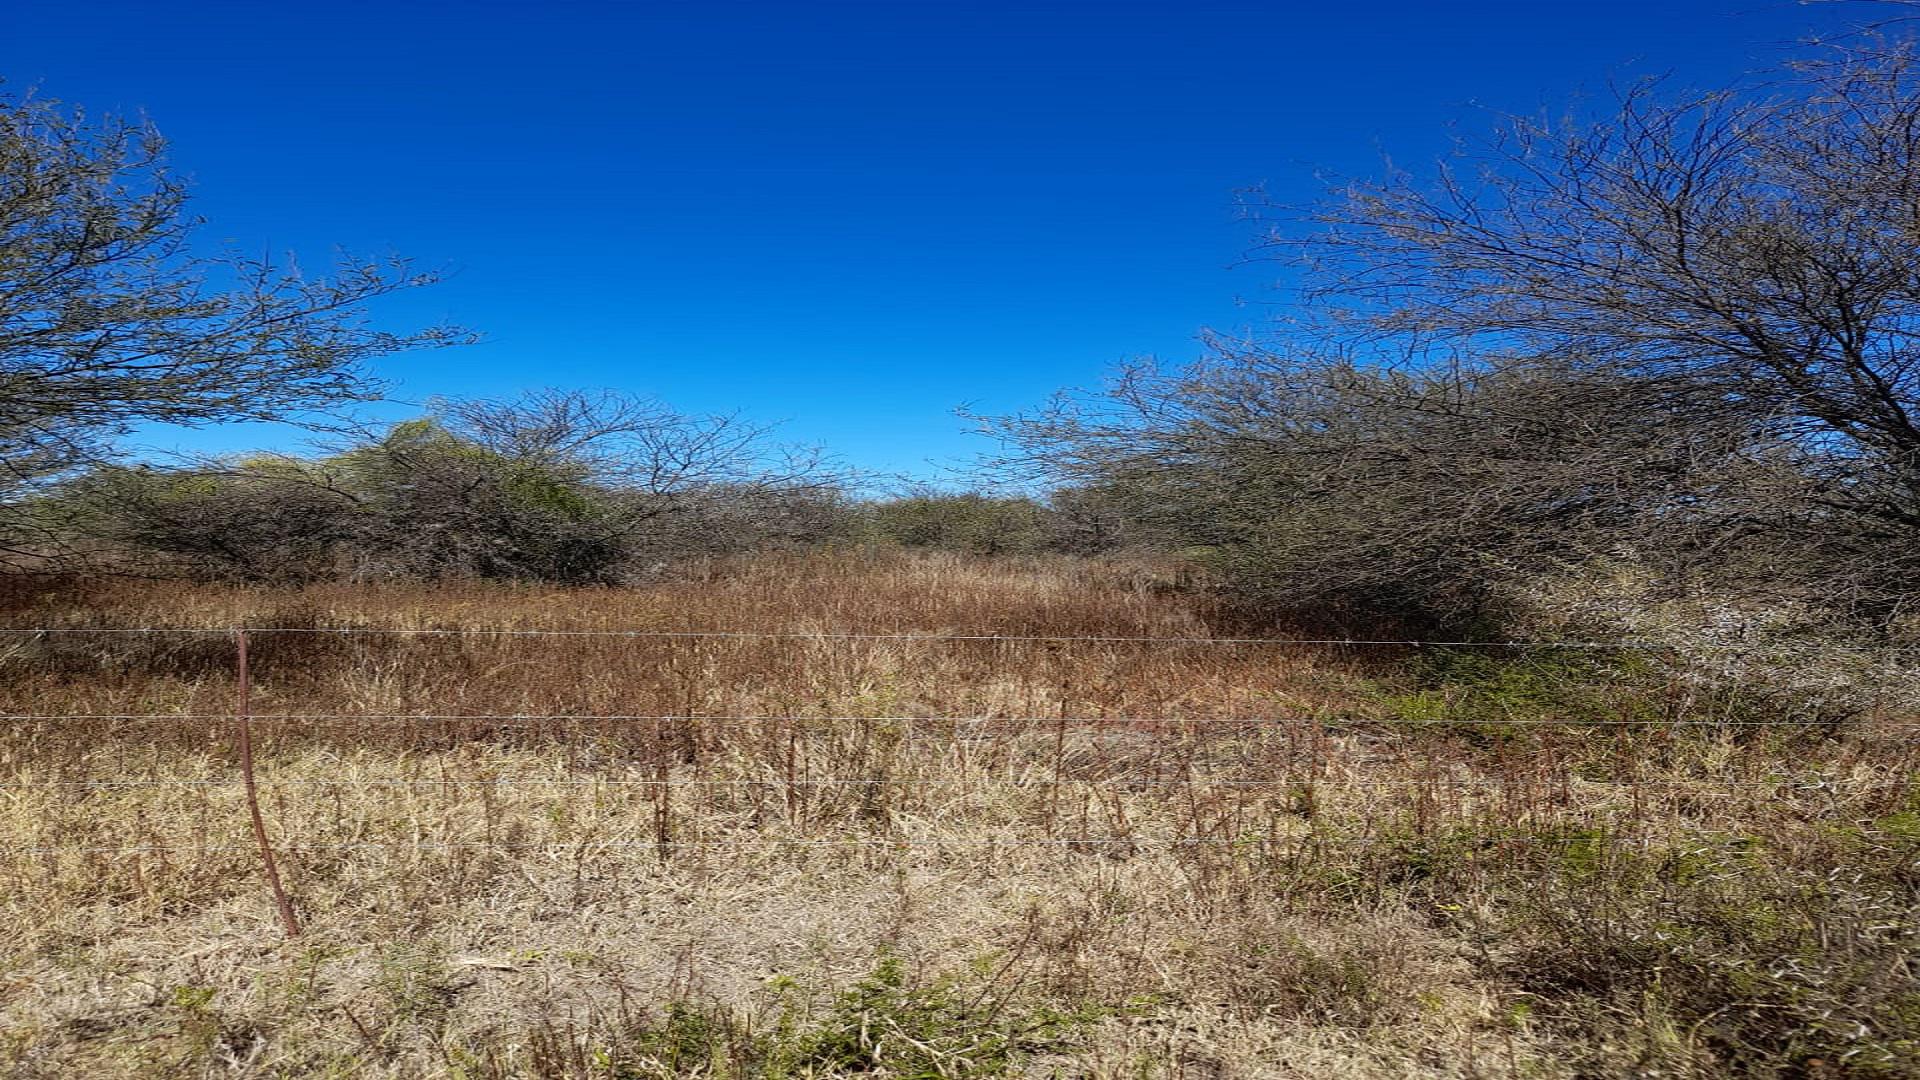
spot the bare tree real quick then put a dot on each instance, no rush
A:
(1748, 253)
(1681, 337)
(1347, 493)
(669, 484)
(629, 441)
(110, 315)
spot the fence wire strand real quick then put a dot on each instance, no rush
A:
(1293, 843)
(1099, 639)
(1180, 775)
(965, 781)
(1170, 721)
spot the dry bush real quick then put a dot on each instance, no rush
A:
(1732, 656)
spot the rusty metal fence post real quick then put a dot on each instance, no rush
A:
(244, 732)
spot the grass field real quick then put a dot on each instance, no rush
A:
(579, 855)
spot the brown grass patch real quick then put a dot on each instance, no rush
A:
(1086, 858)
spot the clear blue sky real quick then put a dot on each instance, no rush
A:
(852, 217)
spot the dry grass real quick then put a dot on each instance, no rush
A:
(1057, 858)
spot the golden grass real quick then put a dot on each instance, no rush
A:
(1222, 860)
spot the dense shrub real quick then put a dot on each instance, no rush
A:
(966, 522)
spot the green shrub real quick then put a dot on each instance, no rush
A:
(968, 522)
(886, 1024)
(1489, 691)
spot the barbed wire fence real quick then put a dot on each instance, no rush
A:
(244, 718)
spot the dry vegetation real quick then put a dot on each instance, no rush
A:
(812, 855)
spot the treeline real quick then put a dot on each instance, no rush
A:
(558, 486)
